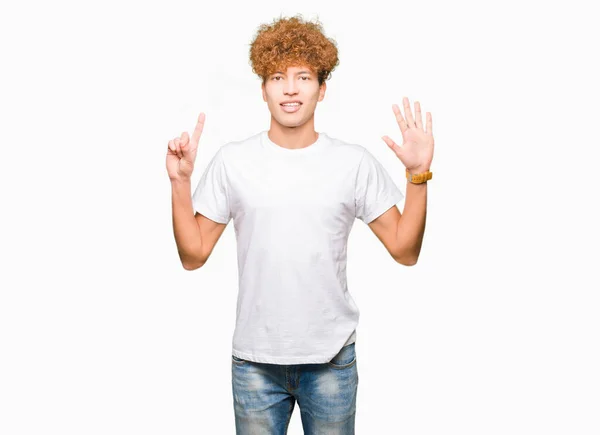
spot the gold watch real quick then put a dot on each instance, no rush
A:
(418, 178)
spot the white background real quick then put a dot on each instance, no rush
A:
(494, 331)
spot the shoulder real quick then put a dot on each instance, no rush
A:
(366, 156)
(349, 151)
(239, 150)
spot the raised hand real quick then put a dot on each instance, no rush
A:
(181, 153)
(416, 151)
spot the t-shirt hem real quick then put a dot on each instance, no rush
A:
(312, 359)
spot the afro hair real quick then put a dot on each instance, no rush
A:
(292, 42)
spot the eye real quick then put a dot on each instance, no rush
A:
(276, 77)
(305, 77)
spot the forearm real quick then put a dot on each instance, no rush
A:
(185, 227)
(411, 225)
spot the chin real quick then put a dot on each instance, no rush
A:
(294, 125)
(289, 123)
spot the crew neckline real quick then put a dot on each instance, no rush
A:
(312, 148)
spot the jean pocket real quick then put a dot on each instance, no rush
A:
(345, 358)
(237, 360)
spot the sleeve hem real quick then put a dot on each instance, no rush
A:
(390, 201)
(210, 215)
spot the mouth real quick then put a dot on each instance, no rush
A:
(291, 107)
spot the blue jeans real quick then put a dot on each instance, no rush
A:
(264, 395)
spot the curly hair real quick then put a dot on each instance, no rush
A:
(292, 42)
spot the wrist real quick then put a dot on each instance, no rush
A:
(177, 182)
(419, 176)
(418, 170)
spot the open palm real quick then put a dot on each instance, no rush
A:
(416, 152)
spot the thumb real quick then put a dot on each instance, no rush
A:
(393, 145)
(184, 143)
(186, 150)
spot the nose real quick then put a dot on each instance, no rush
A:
(290, 87)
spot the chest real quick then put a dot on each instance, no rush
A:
(321, 191)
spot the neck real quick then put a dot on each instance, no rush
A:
(293, 137)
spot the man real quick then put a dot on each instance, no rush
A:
(293, 194)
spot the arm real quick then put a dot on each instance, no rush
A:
(416, 153)
(410, 227)
(195, 235)
(402, 234)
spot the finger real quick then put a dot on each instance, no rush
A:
(409, 118)
(198, 130)
(399, 118)
(418, 119)
(429, 123)
(172, 147)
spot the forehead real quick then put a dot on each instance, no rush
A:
(302, 69)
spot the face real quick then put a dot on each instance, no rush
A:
(298, 83)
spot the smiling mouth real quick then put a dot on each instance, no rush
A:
(291, 108)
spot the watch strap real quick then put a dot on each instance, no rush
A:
(418, 178)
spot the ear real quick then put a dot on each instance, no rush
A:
(264, 92)
(322, 90)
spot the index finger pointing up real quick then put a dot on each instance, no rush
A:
(198, 130)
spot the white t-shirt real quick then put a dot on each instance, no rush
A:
(292, 212)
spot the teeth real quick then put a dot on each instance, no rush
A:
(290, 104)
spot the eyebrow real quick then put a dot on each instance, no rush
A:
(299, 72)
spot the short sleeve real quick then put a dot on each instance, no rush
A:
(375, 191)
(210, 197)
